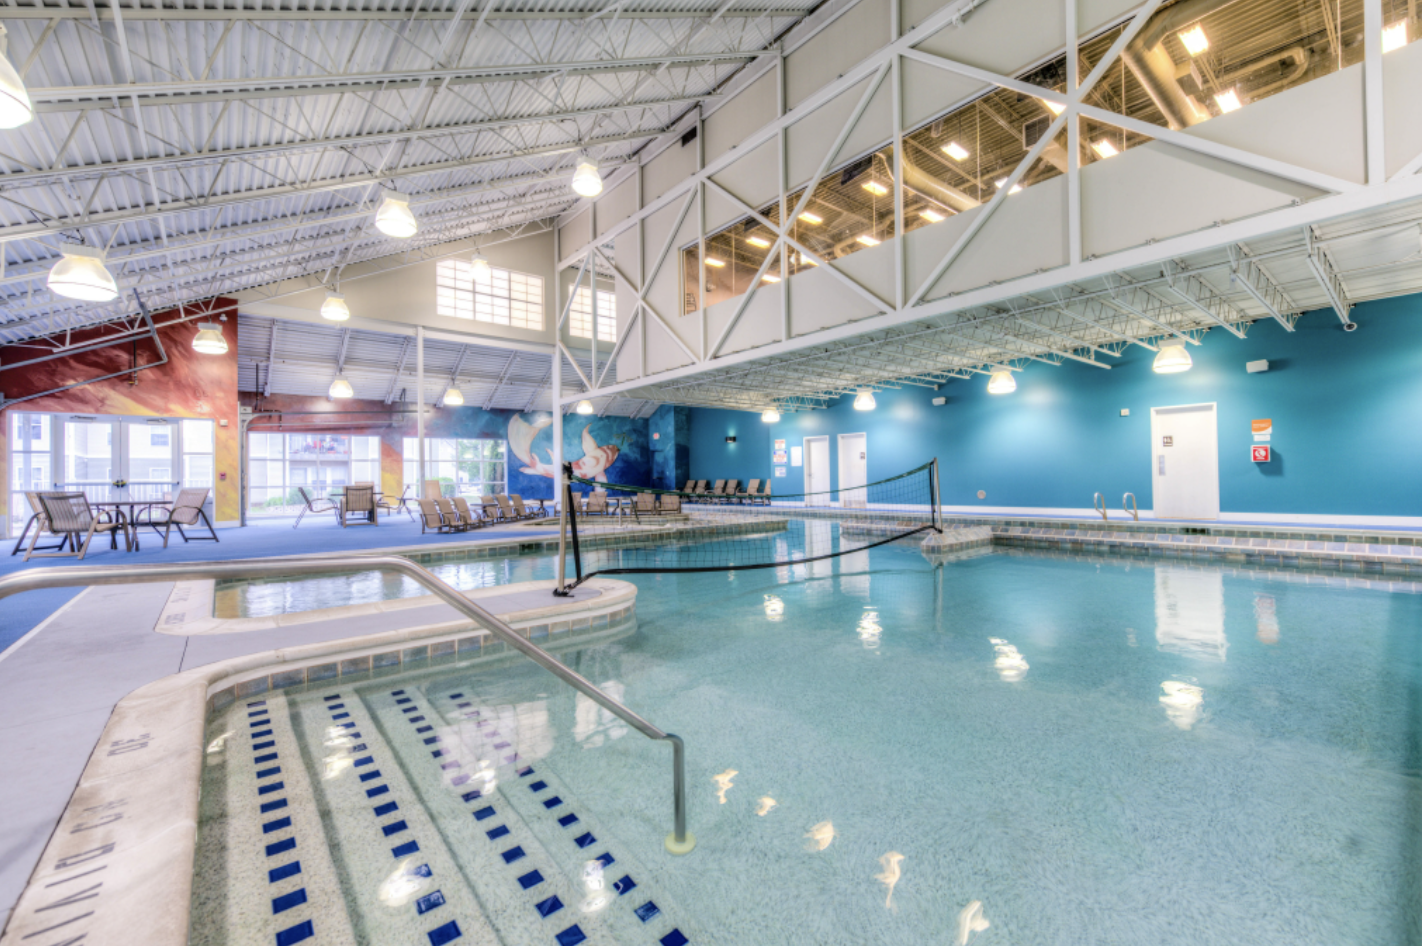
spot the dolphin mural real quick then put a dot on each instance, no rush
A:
(593, 466)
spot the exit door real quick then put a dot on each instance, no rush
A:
(817, 471)
(853, 471)
(1185, 464)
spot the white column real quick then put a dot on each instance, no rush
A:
(420, 404)
(557, 395)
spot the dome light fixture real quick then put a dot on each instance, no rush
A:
(771, 416)
(1172, 358)
(587, 182)
(334, 309)
(394, 217)
(585, 407)
(453, 397)
(864, 400)
(209, 340)
(479, 266)
(81, 274)
(15, 107)
(340, 388)
(1001, 381)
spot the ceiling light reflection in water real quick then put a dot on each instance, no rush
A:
(870, 630)
(1010, 665)
(820, 836)
(401, 887)
(774, 608)
(970, 921)
(596, 886)
(890, 875)
(1182, 703)
(766, 806)
(724, 783)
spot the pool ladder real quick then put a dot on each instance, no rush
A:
(1098, 502)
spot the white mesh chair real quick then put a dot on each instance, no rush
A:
(186, 511)
(41, 525)
(70, 515)
(314, 504)
(358, 506)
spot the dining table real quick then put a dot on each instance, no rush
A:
(130, 520)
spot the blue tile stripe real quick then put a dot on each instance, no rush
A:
(292, 929)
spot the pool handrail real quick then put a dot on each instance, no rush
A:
(678, 842)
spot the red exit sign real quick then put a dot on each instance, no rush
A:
(1259, 453)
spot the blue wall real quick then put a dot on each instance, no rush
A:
(1346, 407)
(671, 446)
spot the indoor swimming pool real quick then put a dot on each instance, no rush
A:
(1012, 748)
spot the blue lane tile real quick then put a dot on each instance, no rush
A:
(483, 813)
(463, 705)
(377, 791)
(273, 805)
(451, 764)
(538, 786)
(607, 860)
(353, 750)
(394, 827)
(445, 934)
(254, 723)
(425, 728)
(346, 725)
(280, 847)
(470, 796)
(268, 773)
(367, 776)
(261, 735)
(353, 735)
(269, 757)
(674, 938)
(341, 716)
(283, 872)
(625, 885)
(422, 870)
(417, 719)
(531, 879)
(513, 854)
(263, 745)
(547, 908)
(276, 825)
(364, 760)
(406, 849)
(502, 745)
(437, 753)
(648, 911)
(496, 833)
(459, 780)
(410, 709)
(397, 692)
(431, 740)
(553, 802)
(585, 840)
(258, 703)
(273, 787)
(336, 706)
(400, 702)
(335, 696)
(525, 772)
(256, 713)
(568, 819)
(429, 901)
(511, 759)
(295, 934)
(382, 810)
(456, 696)
(572, 936)
(288, 900)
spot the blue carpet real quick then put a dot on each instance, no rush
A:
(259, 539)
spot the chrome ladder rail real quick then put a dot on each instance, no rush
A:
(1132, 508)
(1098, 502)
(680, 841)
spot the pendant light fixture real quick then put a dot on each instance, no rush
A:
(209, 340)
(585, 407)
(334, 308)
(864, 400)
(587, 182)
(340, 388)
(771, 416)
(479, 265)
(394, 217)
(1001, 381)
(81, 274)
(15, 107)
(1172, 358)
(453, 397)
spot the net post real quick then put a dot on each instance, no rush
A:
(560, 588)
(937, 503)
(573, 525)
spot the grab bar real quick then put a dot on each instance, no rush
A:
(1135, 513)
(680, 841)
(1098, 502)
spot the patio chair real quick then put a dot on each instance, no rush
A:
(41, 525)
(506, 508)
(729, 493)
(402, 504)
(430, 519)
(186, 511)
(472, 519)
(668, 502)
(492, 512)
(520, 510)
(433, 490)
(314, 505)
(689, 487)
(70, 515)
(597, 503)
(644, 503)
(763, 497)
(717, 491)
(359, 501)
(452, 518)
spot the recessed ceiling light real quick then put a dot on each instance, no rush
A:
(1228, 101)
(955, 151)
(867, 240)
(811, 218)
(1104, 148)
(1002, 182)
(770, 277)
(1195, 40)
(875, 188)
(806, 261)
(714, 262)
(1394, 36)
(932, 216)
(761, 242)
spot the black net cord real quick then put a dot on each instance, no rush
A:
(930, 468)
(786, 563)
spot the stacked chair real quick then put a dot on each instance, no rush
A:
(70, 515)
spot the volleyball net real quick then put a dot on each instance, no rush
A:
(727, 525)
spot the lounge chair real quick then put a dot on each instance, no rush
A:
(717, 491)
(668, 502)
(41, 525)
(430, 519)
(314, 505)
(596, 503)
(689, 487)
(492, 512)
(451, 516)
(402, 504)
(520, 510)
(472, 519)
(186, 511)
(730, 491)
(358, 502)
(433, 490)
(747, 494)
(763, 497)
(506, 508)
(644, 504)
(70, 515)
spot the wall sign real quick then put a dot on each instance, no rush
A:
(1259, 453)
(1262, 429)
(1167, 441)
(778, 455)
(797, 456)
(780, 471)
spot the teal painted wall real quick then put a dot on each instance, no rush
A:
(1346, 407)
(671, 446)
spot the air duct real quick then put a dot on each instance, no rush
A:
(1154, 68)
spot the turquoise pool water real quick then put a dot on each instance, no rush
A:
(1006, 749)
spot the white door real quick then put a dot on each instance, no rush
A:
(853, 466)
(1185, 462)
(817, 471)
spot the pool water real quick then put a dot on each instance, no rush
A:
(1006, 749)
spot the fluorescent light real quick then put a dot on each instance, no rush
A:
(761, 242)
(1002, 182)
(715, 263)
(334, 309)
(932, 216)
(806, 261)
(867, 240)
(585, 407)
(81, 274)
(209, 340)
(587, 182)
(453, 396)
(340, 388)
(771, 416)
(1394, 37)
(1194, 40)
(15, 107)
(479, 264)
(1104, 148)
(1172, 358)
(770, 277)
(1228, 101)
(955, 151)
(864, 400)
(875, 188)
(394, 217)
(1001, 381)
(812, 218)
(1056, 108)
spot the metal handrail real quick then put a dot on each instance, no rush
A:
(1098, 502)
(678, 842)
(1132, 508)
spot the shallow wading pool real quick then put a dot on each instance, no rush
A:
(1090, 752)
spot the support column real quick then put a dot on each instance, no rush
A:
(420, 405)
(557, 395)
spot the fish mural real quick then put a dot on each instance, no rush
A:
(595, 461)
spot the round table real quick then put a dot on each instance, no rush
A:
(130, 521)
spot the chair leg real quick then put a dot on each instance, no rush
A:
(31, 549)
(89, 537)
(20, 541)
(166, 532)
(210, 527)
(298, 517)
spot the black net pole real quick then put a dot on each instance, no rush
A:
(571, 506)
